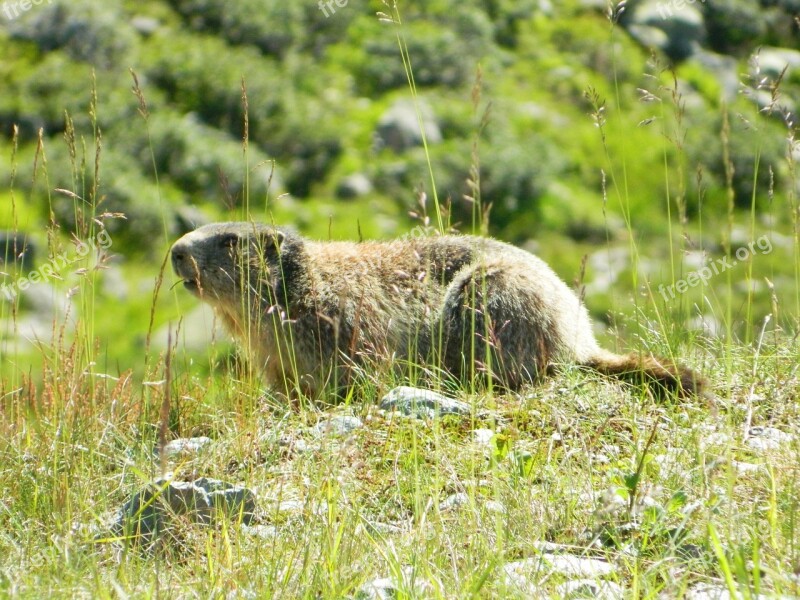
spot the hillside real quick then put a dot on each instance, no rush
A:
(648, 150)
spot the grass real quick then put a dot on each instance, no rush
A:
(672, 494)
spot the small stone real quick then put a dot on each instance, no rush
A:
(767, 438)
(493, 506)
(482, 437)
(425, 404)
(454, 502)
(526, 574)
(386, 588)
(146, 26)
(186, 445)
(294, 507)
(354, 186)
(265, 532)
(578, 566)
(401, 126)
(589, 588)
(743, 468)
(337, 426)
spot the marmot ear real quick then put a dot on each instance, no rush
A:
(272, 240)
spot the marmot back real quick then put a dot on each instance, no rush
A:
(309, 312)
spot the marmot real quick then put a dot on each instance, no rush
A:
(474, 308)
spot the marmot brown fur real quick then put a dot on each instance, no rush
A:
(309, 312)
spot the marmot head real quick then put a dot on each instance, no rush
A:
(223, 262)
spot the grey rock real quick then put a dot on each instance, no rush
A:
(288, 508)
(526, 574)
(454, 502)
(387, 588)
(705, 591)
(337, 426)
(354, 186)
(772, 61)
(493, 506)
(399, 127)
(265, 532)
(186, 446)
(683, 27)
(482, 437)
(146, 26)
(593, 5)
(767, 438)
(589, 588)
(724, 68)
(149, 511)
(425, 404)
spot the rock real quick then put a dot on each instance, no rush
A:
(290, 508)
(706, 591)
(186, 446)
(425, 404)
(677, 29)
(354, 186)
(593, 5)
(772, 61)
(292, 444)
(454, 502)
(150, 510)
(482, 437)
(337, 426)
(527, 574)
(386, 588)
(765, 102)
(493, 506)
(589, 588)
(767, 438)
(265, 532)
(724, 68)
(399, 127)
(578, 566)
(146, 26)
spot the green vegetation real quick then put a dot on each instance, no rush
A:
(554, 127)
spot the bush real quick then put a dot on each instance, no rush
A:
(200, 160)
(91, 32)
(203, 74)
(733, 24)
(40, 96)
(440, 54)
(273, 26)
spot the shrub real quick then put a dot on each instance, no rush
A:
(91, 32)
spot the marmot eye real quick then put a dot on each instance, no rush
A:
(229, 241)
